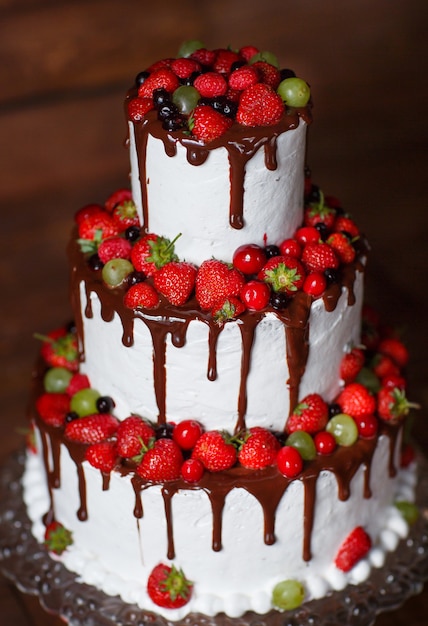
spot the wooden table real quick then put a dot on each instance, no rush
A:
(65, 68)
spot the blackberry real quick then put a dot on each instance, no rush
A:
(271, 251)
(135, 277)
(71, 416)
(334, 409)
(278, 300)
(176, 122)
(105, 404)
(322, 229)
(132, 233)
(225, 106)
(331, 275)
(167, 110)
(141, 77)
(95, 262)
(160, 97)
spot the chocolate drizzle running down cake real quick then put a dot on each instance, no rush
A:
(211, 438)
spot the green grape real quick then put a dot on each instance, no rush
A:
(266, 56)
(343, 428)
(185, 98)
(288, 595)
(56, 380)
(84, 402)
(116, 271)
(304, 443)
(294, 91)
(368, 378)
(187, 47)
(408, 510)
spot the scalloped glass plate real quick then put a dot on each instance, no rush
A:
(27, 565)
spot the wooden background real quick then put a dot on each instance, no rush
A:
(64, 69)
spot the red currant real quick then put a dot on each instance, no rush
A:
(255, 295)
(249, 258)
(394, 380)
(367, 426)
(307, 234)
(192, 470)
(186, 434)
(291, 247)
(289, 461)
(325, 443)
(315, 284)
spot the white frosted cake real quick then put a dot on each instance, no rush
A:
(220, 431)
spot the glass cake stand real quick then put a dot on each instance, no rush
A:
(28, 566)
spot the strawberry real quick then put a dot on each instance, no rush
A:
(53, 407)
(141, 295)
(215, 451)
(91, 428)
(204, 57)
(125, 215)
(161, 462)
(224, 60)
(77, 383)
(216, 281)
(247, 52)
(160, 78)
(151, 252)
(353, 549)
(318, 257)
(210, 84)
(394, 348)
(268, 74)
(59, 349)
(343, 247)
(259, 449)
(57, 538)
(206, 124)
(185, 67)
(356, 400)
(102, 455)
(87, 211)
(383, 366)
(310, 415)
(175, 281)
(138, 108)
(97, 227)
(392, 404)
(158, 65)
(168, 587)
(243, 77)
(283, 273)
(114, 248)
(117, 197)
(319, 213)
(132, 434)
(228, 309)
(351, 365)
(260, 105)
(345, 224)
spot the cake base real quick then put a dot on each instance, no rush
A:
(46, 583)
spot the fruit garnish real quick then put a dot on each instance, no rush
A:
(168, 587)
(84, 401)
(289, 461)
(59, 349)
(294, 91)
(353, 549)
(344, 429)
(310, 415)
(57, 538)
(408, 510)
(259, 448)
(215, 451)
(91, 428)
(288, 595)
(161, 461)
(304, 443)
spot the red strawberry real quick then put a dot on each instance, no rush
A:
(161, 64)
(310, 415)
(230, 308)
(345, 224)
(141, 295)
(343, 247)
(318, 257)
(353, 549)
(138, 108)
(215, 451)
(132, 435)
(395, 349)
(91, 428)
(125, 215)
(210, 84)
(102, 456)
(176, 281)
(57, 538)
(269, 74)
(59, 349)
(114, 248)
(383, 365)
(260, 105)
(162, 462)
(247, 52)
(356, 400)
(319, 213)
(224, 60)
(185, 67)
(351, 365)
(204, 57)
(207, 124)
(243, 77)
(53, 407)
(168, 587)
(77, 383)
(117, 197)
(160, 78)
(259, 449)
(97, 227)
(151, 252)
(392, 404)
(283, 273)
(87, 211)
(216, 281)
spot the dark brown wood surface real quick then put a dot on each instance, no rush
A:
(64, 70)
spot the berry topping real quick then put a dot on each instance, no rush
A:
(259, 106)
(133, 434)
(310, 415)
(192, 470)
(249, 258)
(160, 78)
(175, 281)
(318, 257)
(59, 349)
(210, 85)
(168, 587)
(207, 124)
(283, 273)
(141, 295)
(288, 595)
(91, 428)
(114, 248)
(228, 309)
(353, 549)
(259, 448)
(215, 451)
(161, 462)
(102, 456)
(186, 434)
(57, 538)
(53, 407)
(356, 400)
(289, 461)
(255, 295)
(152, 252)
(216, 281)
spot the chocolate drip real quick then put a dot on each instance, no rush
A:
(247, 333)
(167, 495)
(310, 485)
(214, 332)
